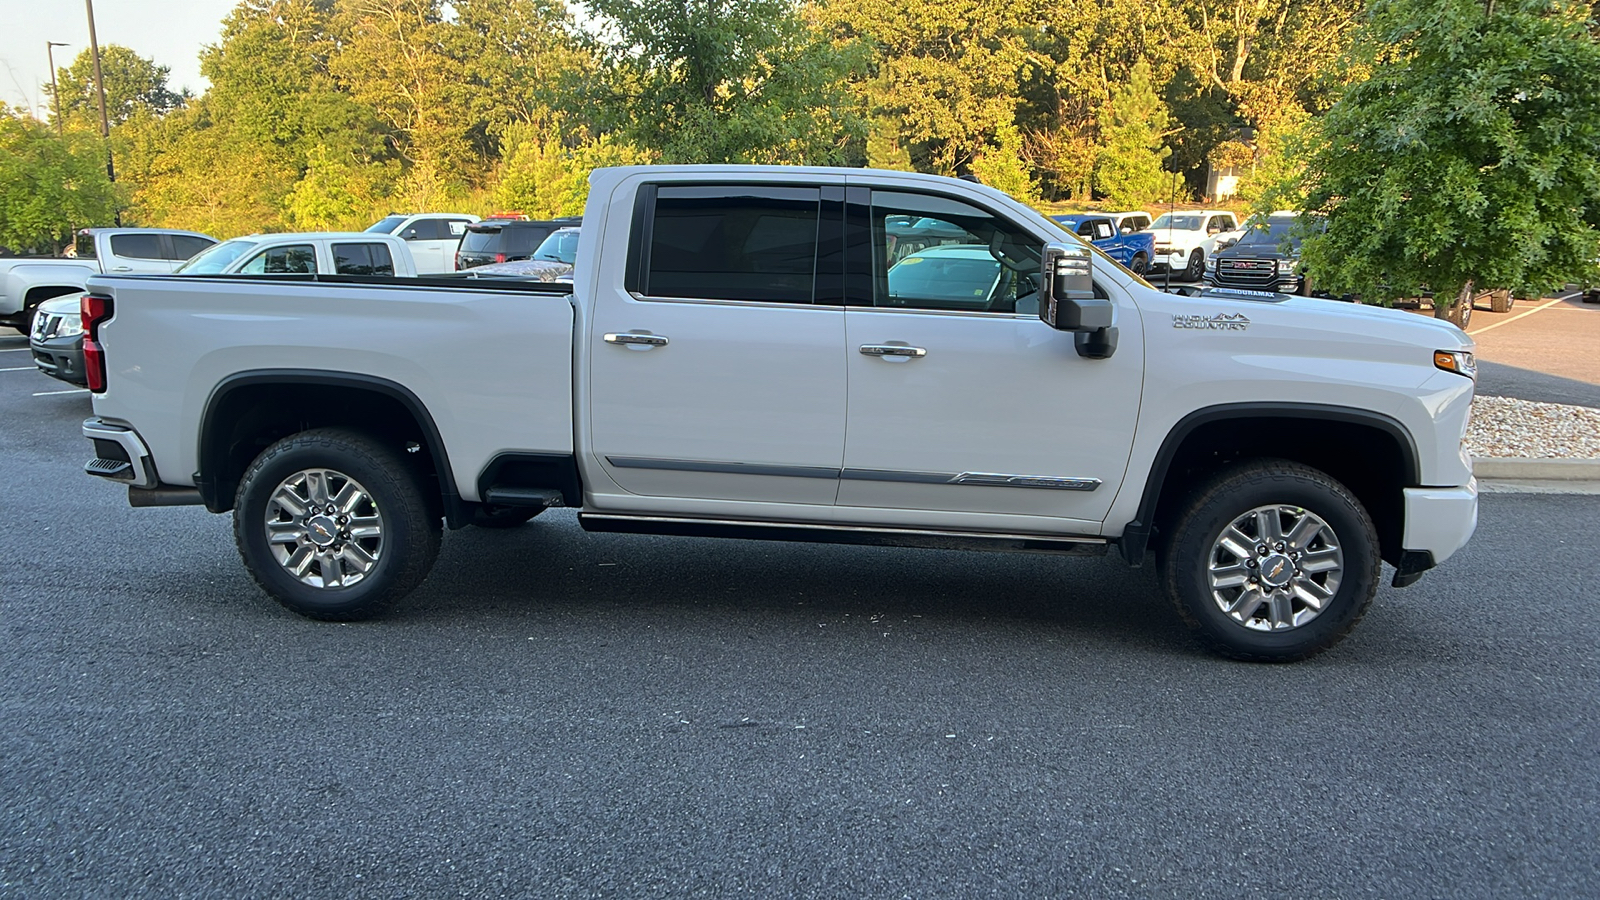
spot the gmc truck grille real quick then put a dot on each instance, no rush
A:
(1247, 272)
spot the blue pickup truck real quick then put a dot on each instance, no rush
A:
(1133, 250)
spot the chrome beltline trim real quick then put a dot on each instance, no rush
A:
(980, 479)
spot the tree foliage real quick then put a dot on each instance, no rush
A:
(133, 85)
(49, 184)
(1468, 157)
(1128, 171)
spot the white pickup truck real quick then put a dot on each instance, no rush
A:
(752, 352)
(26, 282)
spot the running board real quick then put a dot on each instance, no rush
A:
(841, 534)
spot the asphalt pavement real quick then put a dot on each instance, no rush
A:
(562, 714)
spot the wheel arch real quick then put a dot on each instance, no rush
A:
(1371, 453)
(248, 411)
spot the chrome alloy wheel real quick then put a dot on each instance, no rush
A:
(1275, 568)
(324, 528)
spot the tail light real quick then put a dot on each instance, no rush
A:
(499, 257)
(458, 260)
(94, 310)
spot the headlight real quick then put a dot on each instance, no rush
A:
(1286, 267)
(1457, 361)
(69, 326)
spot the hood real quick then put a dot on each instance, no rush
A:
(66, 304)
(1256, 251)
(1332, 323)
(532, 269)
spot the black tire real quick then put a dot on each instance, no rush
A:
(486, 516)
(404, 549)
(1501, 301)
(1141, 264)
(1195, 546)
(1197, 266)
(1460, 316)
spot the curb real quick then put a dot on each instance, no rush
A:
(1536, 469)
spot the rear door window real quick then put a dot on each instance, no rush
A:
(362, 259)
(423, 230)
(185, 246)
(295, 259)
(84, 245)
(137, 246)
(733, 243)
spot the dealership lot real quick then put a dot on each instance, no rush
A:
(558, 713)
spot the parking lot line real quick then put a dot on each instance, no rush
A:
(22, 369)
(53, 393)
(13, 350)
(1530, 312)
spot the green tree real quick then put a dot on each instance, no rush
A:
(543, 178)
(1468, 158)
(49, 184)
(704, 81)
(133, 84)
(1133, 128)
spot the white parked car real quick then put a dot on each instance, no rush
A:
(432, 237)
(25, 282)
(1186, 238)
(314, 253)
(1130, 222)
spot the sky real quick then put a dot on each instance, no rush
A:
(171, 32)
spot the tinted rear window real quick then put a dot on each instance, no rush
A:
(730, 243)
(185, 246)
(84, 244)
(482, 240)
(362, 259)
(137, 246)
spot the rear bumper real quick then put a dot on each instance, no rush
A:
(1439, 521)
(120, 454)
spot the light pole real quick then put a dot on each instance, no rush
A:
(100, 88)
(55, 92)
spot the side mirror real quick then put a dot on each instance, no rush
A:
(1068, 302)
(410, 235)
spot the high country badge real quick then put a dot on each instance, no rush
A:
(1218, 322)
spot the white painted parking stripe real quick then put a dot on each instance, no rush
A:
(1521, 316)
(13, 350)
(53, 393)
(22, 369)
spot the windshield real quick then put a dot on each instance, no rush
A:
(214, 259)
(1177, 222)
(561, 246)
(1271, 233)
(386, 225)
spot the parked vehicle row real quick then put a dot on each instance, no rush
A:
(327, 252)
(27, 282)
(1119, 235)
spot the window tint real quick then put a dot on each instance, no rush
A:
(423, 230)
(185, 246)
(938, 253)
(1103, 230)
(362, 259)
(481, 239)
(84, 245)
(137, 246)
(730, 243)
(295, 259)
(1177, 222)
(386, 225)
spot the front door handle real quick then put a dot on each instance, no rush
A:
(123, 269)
(642, 340)
(899, 350)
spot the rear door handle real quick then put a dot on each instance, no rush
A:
(123, 269)
(893, 350)
(643, 340)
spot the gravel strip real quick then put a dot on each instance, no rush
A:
(1507, 427)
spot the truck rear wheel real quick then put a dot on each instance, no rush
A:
(1271, 561)
(1141, 264)
(334, 525)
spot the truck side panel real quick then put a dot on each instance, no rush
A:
(493, 368)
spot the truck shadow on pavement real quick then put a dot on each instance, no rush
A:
(551, 564)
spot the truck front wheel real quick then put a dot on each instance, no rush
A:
(1197, 266)
(334, 525)
(1271, 561)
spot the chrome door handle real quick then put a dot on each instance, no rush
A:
(646, 340)
(893, 350)
(123, 269)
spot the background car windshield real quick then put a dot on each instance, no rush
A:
(480, 239)
(561, 246)
(1179, 223)
(214, 260)
(386, 225)
(956, 279)
(1272, 233)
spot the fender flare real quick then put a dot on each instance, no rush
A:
(1135, 538)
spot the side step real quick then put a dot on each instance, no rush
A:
(841, 534)
(521, 496)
